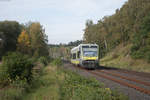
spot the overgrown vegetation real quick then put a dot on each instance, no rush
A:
(59, 84)
(57, 62)
(76, 87)
(23, 53)
(18, 76)
(15, 75)
(16, 67)
(44, 60)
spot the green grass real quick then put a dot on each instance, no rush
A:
(48, 86)
(11, 94)
(120, 58)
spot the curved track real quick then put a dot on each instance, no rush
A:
(124, 77)
(114, 77)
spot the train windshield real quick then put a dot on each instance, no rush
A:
(90, 53)
(89, 46)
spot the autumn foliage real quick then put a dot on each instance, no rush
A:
(33, 40)
(24, 42)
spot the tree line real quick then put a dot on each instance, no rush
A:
(23, 47)
(27, 38)
(129, 25)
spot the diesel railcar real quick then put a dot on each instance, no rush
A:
(85, 55)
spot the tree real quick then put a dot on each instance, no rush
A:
(24, 45)
(9, 31)
(38, 40)
(75, 43)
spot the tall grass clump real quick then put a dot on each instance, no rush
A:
(44, 60)
(57, 62)
(76, 87)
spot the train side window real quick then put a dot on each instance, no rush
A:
(78, 54)
(74, 55)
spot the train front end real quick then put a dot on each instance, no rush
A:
(90, 57)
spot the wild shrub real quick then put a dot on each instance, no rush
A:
(137, 54)
(16, 67)
(76, 87)
(57, 62)
(114, 55)
(44, 60)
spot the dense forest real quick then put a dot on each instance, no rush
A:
(129, 25)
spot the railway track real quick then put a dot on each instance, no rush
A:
(130, 72)
(114, 77)
(139, 74)
(124, 77)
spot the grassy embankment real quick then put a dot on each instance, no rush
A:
(120, 58)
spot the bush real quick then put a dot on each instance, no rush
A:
(76, 87)
(16, 67)
(137, 55)
(114, 55)
(43, 60)
(134, 48)
(57, 62)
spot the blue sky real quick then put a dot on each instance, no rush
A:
(63, 20)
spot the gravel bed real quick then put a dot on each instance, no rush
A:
(132, 93)
(137, 77)
(130, 82)
(140, 74)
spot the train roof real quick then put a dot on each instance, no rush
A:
(88, 44)
(77, 47)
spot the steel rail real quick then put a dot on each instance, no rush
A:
(123, 83)
(124, 77)
(118, 81)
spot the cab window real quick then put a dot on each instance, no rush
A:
(74, 55)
